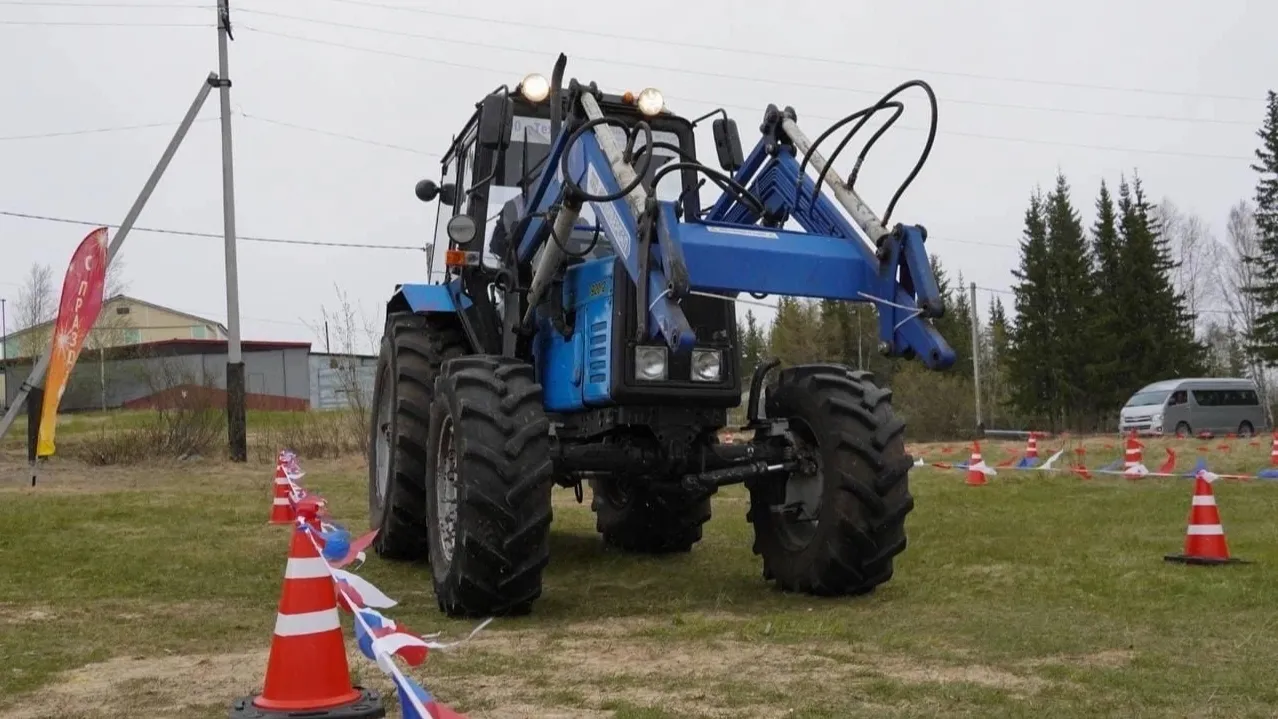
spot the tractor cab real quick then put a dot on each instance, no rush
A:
(501, 152)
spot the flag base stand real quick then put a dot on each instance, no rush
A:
(369, 705)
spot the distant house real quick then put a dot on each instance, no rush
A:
(124, 321)
(143, 355)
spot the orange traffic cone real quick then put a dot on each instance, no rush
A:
(306, 671)
(281, 508)
(976, 467)
(1205, 537)
(1273, 452)
(1031, 446)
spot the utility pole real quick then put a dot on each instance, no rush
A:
(235, 420)
(976, 362)
(4, 352)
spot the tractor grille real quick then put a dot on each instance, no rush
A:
(714, 323)
(709, 319)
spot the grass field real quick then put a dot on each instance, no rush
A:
(152, 591)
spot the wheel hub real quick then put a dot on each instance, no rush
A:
(382, 445)
(446, 491)
(801, 508)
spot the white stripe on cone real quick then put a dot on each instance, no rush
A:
(983, 468)
(306, 568)
(297, 625)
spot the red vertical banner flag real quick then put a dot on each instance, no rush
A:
(78, 310)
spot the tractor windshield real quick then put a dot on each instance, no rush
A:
(530, 144)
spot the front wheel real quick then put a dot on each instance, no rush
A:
(488, 487)
(834, 525)
(1245, 430)
(412, 350)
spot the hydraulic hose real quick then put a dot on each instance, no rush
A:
(864, 114)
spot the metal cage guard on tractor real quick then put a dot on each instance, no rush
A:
(584, 331)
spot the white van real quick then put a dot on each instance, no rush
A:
(1188, 406)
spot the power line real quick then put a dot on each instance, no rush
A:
(996, 290)
(755, 52)
(241, 113)
(119, 128)
(213, 235)
(69, 23)
(715, 103)
(720, 75)
(96, 5)
(343, 136)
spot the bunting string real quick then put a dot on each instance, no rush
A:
(378, 637)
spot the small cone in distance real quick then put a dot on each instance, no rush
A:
(1205, 536)
(976, 467)
(281, 508)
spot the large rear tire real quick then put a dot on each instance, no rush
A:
(834, 525)
(636, 519)
(489, 483)
(413, 348)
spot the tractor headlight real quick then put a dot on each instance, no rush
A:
(650, 363)
(461, 229)
(650, 102)
(707, 365)
(534, 88)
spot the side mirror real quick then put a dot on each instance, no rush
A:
(496, 121)
(427, 191)
(727, 142)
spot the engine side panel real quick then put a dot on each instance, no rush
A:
(577, 372)
(594, 282)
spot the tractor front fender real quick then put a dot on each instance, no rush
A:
(429, 299)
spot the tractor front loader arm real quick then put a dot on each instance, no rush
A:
(740, 245)
(831, 260)
(587, 166)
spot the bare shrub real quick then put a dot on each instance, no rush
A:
(186, 420)
(935, 405)
(316, 435)
(356, 336)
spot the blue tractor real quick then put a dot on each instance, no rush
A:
(583, 329)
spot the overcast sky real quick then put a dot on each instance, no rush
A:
(1022, 90)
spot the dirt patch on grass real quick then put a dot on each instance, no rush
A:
(1106, 659)
(161, 686)
(607, 665)
(584, 671)
(11, 614)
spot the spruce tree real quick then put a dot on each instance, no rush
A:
(1264, 341)
(994, 359)
(753, 345)
(1031, 382)
(1107, 366)
(1160, 335)
(1184, 355)
(1070, 288)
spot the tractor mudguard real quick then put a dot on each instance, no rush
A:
(431, 299)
